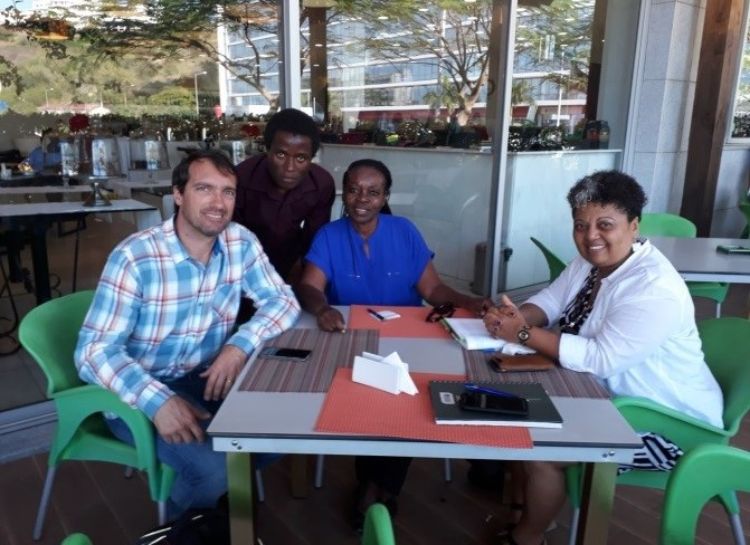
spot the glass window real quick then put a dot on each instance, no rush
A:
(741, 117)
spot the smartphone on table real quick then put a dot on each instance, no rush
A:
(299, 354)
(729, 249)
(500, 404)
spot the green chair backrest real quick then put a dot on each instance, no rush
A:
(702, 474)
(745, 209)
(726, 345)
(378, 529)
(555, 264)
(60, 321)
(666, 225)
(76, 539)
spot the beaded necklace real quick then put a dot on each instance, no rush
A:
(579, 308)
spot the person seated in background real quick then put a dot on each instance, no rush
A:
(621, 311)
(159, 332)
(370, 257)
(46, 156)
(282, 196)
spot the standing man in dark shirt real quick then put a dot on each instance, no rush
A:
(282, 196)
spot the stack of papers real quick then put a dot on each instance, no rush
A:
(472, 335)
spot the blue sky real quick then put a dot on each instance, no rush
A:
(23, 4)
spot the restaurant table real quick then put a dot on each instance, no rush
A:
(21, 180)
(16, 190)
(157, 193)
(593, 432)
(39, 216)
(698, 260)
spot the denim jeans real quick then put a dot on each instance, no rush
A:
(201, 472)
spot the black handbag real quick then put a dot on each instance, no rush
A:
(194, 527)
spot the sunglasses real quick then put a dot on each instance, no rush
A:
(445, 310)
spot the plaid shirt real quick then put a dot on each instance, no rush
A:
(157, 313)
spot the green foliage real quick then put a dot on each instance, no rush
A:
(173, 96)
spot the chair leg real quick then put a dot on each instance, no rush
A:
(161, 509)
(718, 310)
(44, 503)
(739, 535)
(75, 256)
(319, 466)
(574, 525)
(447, 470)
(261, 493)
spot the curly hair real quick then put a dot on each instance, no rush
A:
(609, 187)
(294, 122)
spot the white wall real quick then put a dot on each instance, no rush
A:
(734, 177)
(664, 89)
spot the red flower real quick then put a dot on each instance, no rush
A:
(250, 129)
(78, 122)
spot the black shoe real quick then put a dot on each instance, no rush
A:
(357, 520)
(391, 503)
(357, 514)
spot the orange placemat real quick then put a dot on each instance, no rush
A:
(350, 407)
(411, 324)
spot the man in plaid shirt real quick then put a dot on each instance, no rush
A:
(159, 331)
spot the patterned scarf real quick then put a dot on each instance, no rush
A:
(578, 310)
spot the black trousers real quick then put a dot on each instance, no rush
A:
(387, 472)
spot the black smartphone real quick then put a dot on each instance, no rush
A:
(299, 354)
(733, 249)
(511, 405)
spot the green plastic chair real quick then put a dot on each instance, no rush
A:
(378, 529)
(77, 539)
(745, 209)
(49, 334)
(671, 225)
(704, 473)
(726, 345)
(555, 264)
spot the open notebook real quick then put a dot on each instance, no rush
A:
(472, 335)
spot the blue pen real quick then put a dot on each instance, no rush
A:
(471, 387)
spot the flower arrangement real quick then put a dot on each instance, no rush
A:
(250, 129)
(78, 122)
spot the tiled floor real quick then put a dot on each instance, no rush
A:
(21, 381)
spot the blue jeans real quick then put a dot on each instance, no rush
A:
(201, 472)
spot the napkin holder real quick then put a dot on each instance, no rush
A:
(96, 197)
(388, 373)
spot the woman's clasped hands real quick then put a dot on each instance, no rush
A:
(503, 321)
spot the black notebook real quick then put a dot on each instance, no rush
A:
(542, 412)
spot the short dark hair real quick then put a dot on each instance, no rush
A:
(609, 187)
(294, 122)
(181, 172)
(377, 165)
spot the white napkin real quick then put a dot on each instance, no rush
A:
(388, 373)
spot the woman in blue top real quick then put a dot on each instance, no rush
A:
(370, 257)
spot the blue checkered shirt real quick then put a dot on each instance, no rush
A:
(158, 313)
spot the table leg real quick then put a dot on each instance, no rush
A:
(596, 503)
(300, 481)
(41, 264)
(240, 481)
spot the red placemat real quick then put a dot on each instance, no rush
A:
(350, 407)
(411, 324)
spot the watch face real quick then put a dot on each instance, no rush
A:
(524, 335)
